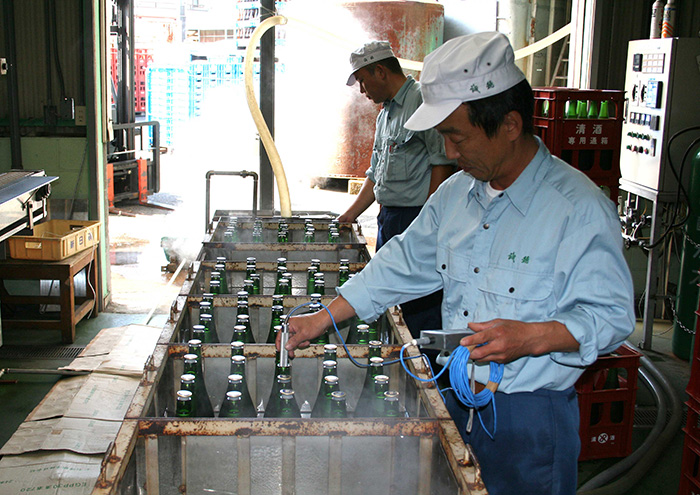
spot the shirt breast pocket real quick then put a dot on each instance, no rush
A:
(397, 156)
(454, 270)
(518, 295)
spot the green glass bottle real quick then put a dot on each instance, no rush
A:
(365, 407)
(285, 287)
(237, 383)
(202, 405)
(319, 283)
(215, 287)
(237, 365)
(194, 346)
(309, 235)
(281, 270)
(278, 300)
(343, 274)
(242, 296)
(250, 269)
(257, 285)
(223, 276)
(316, 262)
(323, 338)
(208, 297)
(242, 308)
(210, 334)
(231, 407)
(184, 407)
(310, 272)
(245, 321)
(373, 333)
(237, 348)
(391, 404)
(339, 408)
(335, 237)
(375, 349)
(251, 260)
(199, 332)
(330, 352)
(282, 382)
(322, 406)
(275, 321)
(288, 405)
(187, 382)
(381, 385)
(239, 334)
(248, 286)
(604, 112)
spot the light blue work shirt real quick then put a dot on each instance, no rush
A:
(401, 160)
(547, 248)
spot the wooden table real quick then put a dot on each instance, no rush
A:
(73, 309)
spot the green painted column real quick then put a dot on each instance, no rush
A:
(687, 300)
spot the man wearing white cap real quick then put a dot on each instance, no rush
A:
(406, 166)
(529, 253)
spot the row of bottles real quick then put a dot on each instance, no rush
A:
(220, 280)
(231, 231)
(376, 400)
(359, 333)
(582, 109)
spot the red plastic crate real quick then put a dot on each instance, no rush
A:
(690, 465)
(590, 145)
(693, 388)
(607, 414)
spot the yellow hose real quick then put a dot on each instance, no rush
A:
(265, 136)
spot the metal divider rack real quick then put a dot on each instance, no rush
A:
(159, 454)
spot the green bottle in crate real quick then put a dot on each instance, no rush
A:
(282, 382)
(288, 407)
(183, 408)
(330, 352)
(322, 406)
(275, 321)
(604, 112)
(210, 335)
(245, 321)
(391, 404)
(237, 348)
(339, 408)
(323, 338)
(366, 405)
(246, 409)
(231, 407)
(310, 272)
(200, 396)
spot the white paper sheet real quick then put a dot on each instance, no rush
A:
(49, 473)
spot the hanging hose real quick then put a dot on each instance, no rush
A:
(263, 130)
(649, 451)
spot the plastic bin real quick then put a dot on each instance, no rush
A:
(55, 240)
(591, 145)
(690, 463)
(606, 405)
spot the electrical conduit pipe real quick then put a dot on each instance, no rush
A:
(265, 136)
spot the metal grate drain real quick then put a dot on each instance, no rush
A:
(39, 352)
(644, 417)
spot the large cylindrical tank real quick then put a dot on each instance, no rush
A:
(414, 29)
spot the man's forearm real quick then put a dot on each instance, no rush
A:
(363, 201)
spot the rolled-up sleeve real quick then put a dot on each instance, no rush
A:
(403, 270)
(598, 315)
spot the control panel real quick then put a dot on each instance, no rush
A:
(661, 84)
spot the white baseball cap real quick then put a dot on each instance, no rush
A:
(367, 54)
(467, 68)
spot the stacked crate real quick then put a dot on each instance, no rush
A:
(591, 145)
(168, 100)
(142, 58)
(607, 392)
(690, 465)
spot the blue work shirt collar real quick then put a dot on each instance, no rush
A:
(522, 191)
(400, 97)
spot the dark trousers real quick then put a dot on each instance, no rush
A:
(536, 446)
(419, 314)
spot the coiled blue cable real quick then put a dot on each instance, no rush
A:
(458, 380)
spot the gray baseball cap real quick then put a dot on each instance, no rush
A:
(368, 54)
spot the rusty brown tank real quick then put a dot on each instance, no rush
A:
(414, 29)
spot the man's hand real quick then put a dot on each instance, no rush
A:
(507, 340)
(346, 218)
(303, 329)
